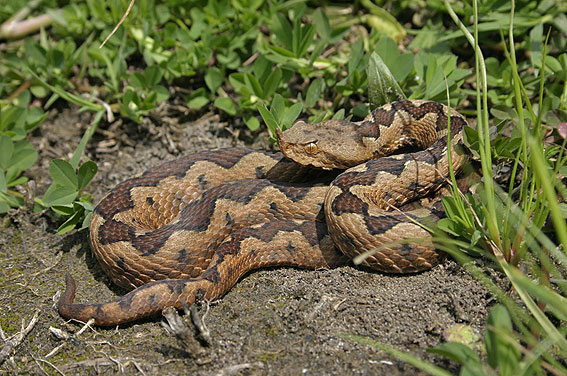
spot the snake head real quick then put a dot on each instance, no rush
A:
(327, 145)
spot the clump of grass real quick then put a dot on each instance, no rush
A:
(525, 334)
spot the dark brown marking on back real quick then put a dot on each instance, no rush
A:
(369, 129)
(430, 156)
(405, 250)
(457, 123)
(294, 193)
(175, 287)
(117, 200)
(224, 158)
(125, 267)
(126, 301)
(346, 179)
(313, 231)
(202, 182)
(260, 174)
(379, 225)
(196, 215)
(182, 256)
(212, 274)
(383, 117)
(150, 243)
(418, 111)
(346, 202)
(414, 186)
(112, 231)
(391, 165)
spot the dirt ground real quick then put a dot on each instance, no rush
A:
(277, 321)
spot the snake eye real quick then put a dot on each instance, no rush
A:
(311, 148)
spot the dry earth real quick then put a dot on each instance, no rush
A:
(278, 321)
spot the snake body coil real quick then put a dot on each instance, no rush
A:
(193, 226)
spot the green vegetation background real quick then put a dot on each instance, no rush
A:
(261, 64)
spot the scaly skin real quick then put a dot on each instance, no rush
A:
(194, 226)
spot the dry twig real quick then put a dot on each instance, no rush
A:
(119, 23)
(199, 323)
(176, 326)
(17, 27)
(17, 339)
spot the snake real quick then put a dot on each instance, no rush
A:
(190, 228)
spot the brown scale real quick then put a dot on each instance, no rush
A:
(197, 224)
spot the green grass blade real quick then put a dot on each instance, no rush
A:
(408, 358)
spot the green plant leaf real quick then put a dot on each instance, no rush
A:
(214, 79)
(198, 98)
(305, 35)
(269, 119)
(356, 56)
(74, 162)
(161, 92)
(382, 86)
(322, 24)
(86, 172)
(24, 156)
(226, 104)
(406, 357)
(339, 115)
(501, 354)
(383, 21)
(237, 81)
(283, 53)
(254, 86)
(13, 178)
(152, 75)
(277, 108)
(64, 210)
(63, 174)
(314, 92)
(290, 115)
(459, 353)
(86, 221)
(60, 196)
(6, 151)
(70, 223)
(3, 186)
(282, 30)
(536, 44)
(138, 81)
(252, 122)
(262, 68)
(400, 65)
(4, 207)
(360, 110)
(272, 83)
(66, 95)
(11, 117)
(197, 102)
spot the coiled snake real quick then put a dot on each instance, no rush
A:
(193, 226)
